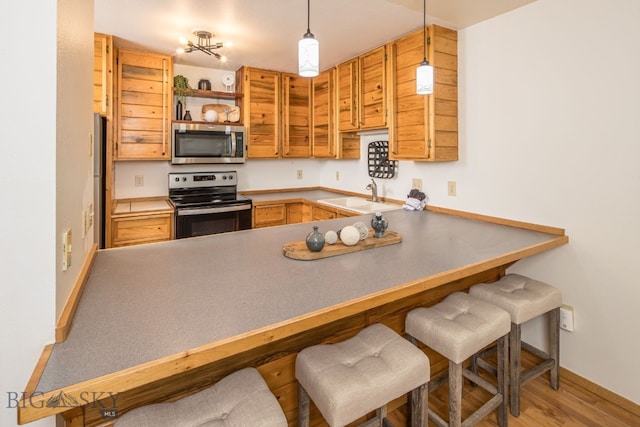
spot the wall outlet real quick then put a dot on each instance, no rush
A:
(417, 183)
(139, 180)
(337, 175)
(299, 173)
(567, 320)
(451, 188)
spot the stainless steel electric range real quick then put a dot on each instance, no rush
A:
(208, 203)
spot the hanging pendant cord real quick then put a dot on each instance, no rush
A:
(309, 15)
(424, 28)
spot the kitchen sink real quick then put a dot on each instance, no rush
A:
(359, 204)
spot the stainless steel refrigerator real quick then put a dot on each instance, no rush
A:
(99, 169)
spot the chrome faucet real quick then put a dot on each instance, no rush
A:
(374, 190)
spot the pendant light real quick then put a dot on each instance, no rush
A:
(308, 52)
(424, 72)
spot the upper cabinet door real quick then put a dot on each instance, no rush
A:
(347, 78)
(102, 74)
(323, 121)
(296, 116)
(373, 84)
(424, 127)
(144, 102)
(261, 109)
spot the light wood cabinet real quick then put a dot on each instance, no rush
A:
(134, 229)
(424, 127)
(143, 107)
(276, 110)
(102, 74)
(269, 215)
(323, 108)
(372, 96)
(296, 212)
(362, 91)
(320, 214)
(347, 93)
(296, 116)
(137, 221)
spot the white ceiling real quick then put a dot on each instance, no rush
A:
(265, 32)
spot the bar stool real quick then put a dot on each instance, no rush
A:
(457, 328)
(352, 378)
(524, 299)
(239, 399)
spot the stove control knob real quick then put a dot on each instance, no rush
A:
(224, 177)
(184, 178)
(176, 179)
(214, 177)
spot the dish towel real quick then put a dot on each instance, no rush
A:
(416, 201)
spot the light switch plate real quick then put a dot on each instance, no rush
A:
(66, 249)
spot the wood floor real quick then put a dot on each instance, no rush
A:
(541, 406)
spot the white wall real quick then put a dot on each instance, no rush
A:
(549, 135)
(549, 126)
(74, 164)
(27, 218)
(46, 179)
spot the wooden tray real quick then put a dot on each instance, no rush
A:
(299, 250)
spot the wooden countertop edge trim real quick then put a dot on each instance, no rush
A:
(37, 372)
(145, 373)
(497, 220)
(68, 312)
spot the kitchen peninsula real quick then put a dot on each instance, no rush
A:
(157, 322)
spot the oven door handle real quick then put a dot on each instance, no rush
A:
(234, 208)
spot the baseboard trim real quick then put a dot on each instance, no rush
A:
(606, 394)
(66, 318)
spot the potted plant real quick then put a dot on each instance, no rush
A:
(181, 89)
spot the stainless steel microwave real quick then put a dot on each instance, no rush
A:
(198, 143)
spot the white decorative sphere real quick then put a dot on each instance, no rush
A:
(330, 237)
(362, 229)
(349, 235)
(211, 116)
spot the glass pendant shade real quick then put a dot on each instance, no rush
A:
(308, 56)
(424, 78)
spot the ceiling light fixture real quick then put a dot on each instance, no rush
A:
(424, 72)
(204, 45)
(308, 52)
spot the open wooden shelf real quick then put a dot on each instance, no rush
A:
(198, 93)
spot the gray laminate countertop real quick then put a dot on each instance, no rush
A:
(145, 302)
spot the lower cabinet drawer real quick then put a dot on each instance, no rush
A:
(269, 215)
(143, 229)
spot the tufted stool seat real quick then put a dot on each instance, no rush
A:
(457, 328)
(524, 299)
(239, 399)
(352, 378)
